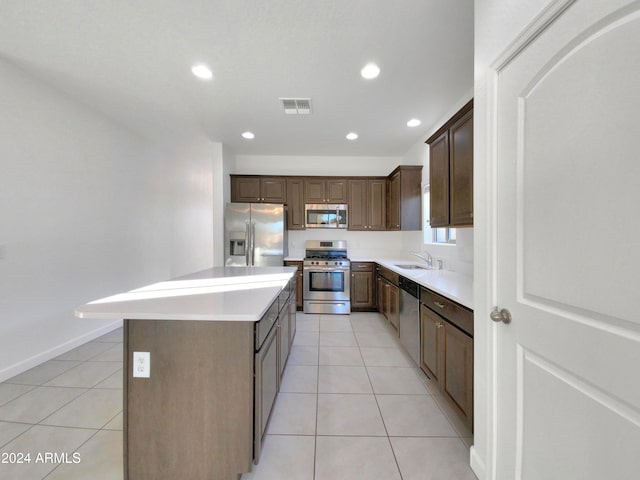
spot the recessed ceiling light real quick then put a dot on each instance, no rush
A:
(370, 70)
(352, 136)
(202, 71)
(248, 135)
(414, 122)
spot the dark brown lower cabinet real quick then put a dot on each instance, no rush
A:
(380, 295)
(446, 354)
(267, 382)
(363, 286)
(431, 342)
(388, 296)
(393, 306)
(457, 382)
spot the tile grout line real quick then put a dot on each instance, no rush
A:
(76, 449)
(31, 425)
(315, 437)
(444, 413)
(375, 396)
(96, 431)
(384, 424)
(16, 398)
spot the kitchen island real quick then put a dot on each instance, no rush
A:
(203, 357)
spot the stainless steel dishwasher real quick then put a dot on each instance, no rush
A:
(410, 317)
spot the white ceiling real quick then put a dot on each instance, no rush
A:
(131, 60)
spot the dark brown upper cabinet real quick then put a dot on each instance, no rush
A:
(367, 203)
(295, 203)
(451, 171)
(325, 190)
(258, 189)
(404, 198)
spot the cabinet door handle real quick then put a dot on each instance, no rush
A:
(439, 305)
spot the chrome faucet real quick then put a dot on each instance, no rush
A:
(428, 259)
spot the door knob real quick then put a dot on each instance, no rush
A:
(503, 315)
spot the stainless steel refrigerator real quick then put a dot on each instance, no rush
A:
(255, 234)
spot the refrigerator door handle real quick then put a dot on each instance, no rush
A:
(246, 242)
(253, 239)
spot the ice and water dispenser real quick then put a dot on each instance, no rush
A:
(237, 247)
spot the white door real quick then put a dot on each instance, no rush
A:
(567, 110)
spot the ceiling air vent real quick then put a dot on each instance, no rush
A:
(296, 106)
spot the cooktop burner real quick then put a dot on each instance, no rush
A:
(326, 250)
(326, 257)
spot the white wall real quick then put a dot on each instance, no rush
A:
(360, 245)
(87, 209)
(497, 23)
(191, 177)
(315, 165)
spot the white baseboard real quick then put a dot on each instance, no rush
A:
(477, 464)
(42, 357)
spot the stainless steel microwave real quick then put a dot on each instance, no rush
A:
(322, 215)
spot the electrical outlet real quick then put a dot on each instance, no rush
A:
(142, 364)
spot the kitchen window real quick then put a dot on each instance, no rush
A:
(434, 235)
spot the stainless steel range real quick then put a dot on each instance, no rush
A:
(327, 275)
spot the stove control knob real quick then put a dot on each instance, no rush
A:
(326, 263)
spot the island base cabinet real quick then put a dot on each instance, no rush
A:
(267, 381)
(193, 417)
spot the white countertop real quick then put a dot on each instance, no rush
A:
(452, 285)
(215, 294)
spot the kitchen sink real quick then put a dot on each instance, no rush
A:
(414, 267)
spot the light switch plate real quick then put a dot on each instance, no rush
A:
(142, 364)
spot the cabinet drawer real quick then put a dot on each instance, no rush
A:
(388, 274)
(458, 315)
(361, 267)
(263, 327)
(283, 297)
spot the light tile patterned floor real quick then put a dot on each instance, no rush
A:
(353, 406)
(72, 404)
(357, 407)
